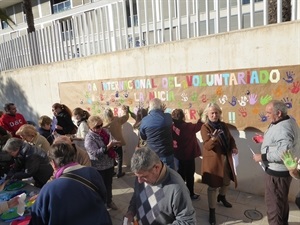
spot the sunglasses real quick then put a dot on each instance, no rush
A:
(98, 126)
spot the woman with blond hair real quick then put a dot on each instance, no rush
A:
(30, 135)
(99, 145)
(114, 125)
(217, 164)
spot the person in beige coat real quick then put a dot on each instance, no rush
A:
(29, 134)
(114, 125)
(82, 157)
(217, 164)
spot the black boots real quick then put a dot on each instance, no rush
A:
(212, 216)
(221, 198)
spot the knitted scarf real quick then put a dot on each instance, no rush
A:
(105, 138)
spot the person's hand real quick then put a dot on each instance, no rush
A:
(57, 127)
(163, 107)
(258, 138)
(33, 198)
(289, 161)
(114, 143)
(235, 151)
(129, 217)
(257, 157)
(215, 134)
(125, 108)
(2, 186)
(13, 202)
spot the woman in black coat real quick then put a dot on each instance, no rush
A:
(64, 123)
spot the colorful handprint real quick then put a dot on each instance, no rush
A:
(289, 76)
(243, 101)
(288, 102)
(219, 91)
(296, 87)
(263, 118)
(265, 100)
(252, 99)
(223, 99)
(184, 97)
(243, 112)
(233, 101)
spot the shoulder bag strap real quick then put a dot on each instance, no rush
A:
(81, 180)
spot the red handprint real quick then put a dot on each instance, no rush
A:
(203, 98)
(296, 87)
(243, 112)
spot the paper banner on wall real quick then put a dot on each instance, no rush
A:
(242, 94)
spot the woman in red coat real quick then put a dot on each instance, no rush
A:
(186, 147)
(217, 164)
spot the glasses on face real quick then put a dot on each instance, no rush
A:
(98, 126)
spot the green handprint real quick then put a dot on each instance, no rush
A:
(289, 161)
(265, 100)
(194, 97)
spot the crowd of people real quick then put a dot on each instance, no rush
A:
(67, 159)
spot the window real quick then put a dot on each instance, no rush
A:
(248, 1)
(66, 29)
(4, 25)
(60, 6)
(129, 13)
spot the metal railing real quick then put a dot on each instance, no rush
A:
(105, 29)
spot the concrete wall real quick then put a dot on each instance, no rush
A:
(35, 89)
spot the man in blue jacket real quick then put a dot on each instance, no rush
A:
(156, 128)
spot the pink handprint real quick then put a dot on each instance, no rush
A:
(252, 99)
(296, 87)
(243, 112)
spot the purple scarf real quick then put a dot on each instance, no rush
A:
(60, 171)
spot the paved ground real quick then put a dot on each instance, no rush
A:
(122, 192)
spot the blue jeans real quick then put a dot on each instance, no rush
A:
(169, 161)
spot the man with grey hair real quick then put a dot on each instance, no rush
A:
(282, 135)
(160, 195)
(156, 128)
(30, 161)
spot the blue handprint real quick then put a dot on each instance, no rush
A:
(263, 118)
(288, 102)
(290, 77)
(233, 101)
